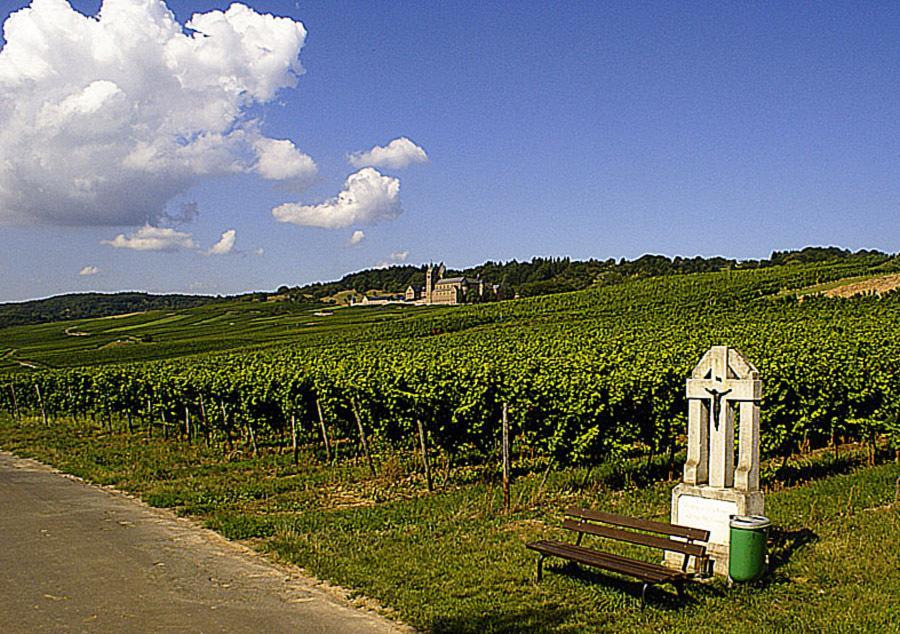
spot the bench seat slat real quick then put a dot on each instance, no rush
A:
(687, 532)
(643, 539)
(646, 571)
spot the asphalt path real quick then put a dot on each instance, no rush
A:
(79, 558)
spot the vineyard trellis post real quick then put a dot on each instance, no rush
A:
(225, 433)
(203, 420)
(37, 388)
(362, 436)
(15, 404)
(422, 446)
(252, 437)
(294, 437)
(324, 431)
(505, 456)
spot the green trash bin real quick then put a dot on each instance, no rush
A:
(747, 554)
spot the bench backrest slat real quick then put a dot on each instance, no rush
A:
(653, 541)
(675, 530)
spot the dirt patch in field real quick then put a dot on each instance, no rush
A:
(124, 315)
(876, 285)
(118, 343)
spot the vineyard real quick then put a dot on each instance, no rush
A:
(584, 376)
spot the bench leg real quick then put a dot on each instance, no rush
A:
(644, 595)
(540, 568)
(679, 588)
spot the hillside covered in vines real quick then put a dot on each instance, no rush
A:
(585, 376)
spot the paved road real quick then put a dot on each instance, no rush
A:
(76, 558)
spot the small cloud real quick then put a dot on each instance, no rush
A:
(397, 154)
(368, 196)
(149, 238)
(397, 257)
(357, 237)
(89, 270)
(225, 243)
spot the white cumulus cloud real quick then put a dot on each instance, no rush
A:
(225, 243)
(103, 119)
(357, 237)
(148, 238)
(89, 270)
(368, 196)
(395, 155)
(281, 160)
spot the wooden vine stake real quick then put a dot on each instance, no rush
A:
(15, 404)
(203, 420)
(72, 407)
(187, 424)
(505, 450)
(324, 431)
(252, 438)
(362, 437)
(37, 389)
(294, 437)
(424, 455)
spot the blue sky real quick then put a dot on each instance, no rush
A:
(581, 129)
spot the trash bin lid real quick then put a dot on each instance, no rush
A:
(750, 522)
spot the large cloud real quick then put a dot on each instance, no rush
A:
(368, 196)
(104, 119)
(397, 154)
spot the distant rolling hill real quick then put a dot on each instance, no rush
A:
(87, 305)
(540, 276)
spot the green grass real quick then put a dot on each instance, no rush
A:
(452, 561)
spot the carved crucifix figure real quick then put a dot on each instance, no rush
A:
(716, 398)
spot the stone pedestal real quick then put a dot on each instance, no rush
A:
(711, 508)
(724, 389)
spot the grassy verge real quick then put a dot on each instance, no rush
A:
(451, 561)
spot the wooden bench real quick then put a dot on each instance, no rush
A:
(666, 537)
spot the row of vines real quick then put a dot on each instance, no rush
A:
(585, 376)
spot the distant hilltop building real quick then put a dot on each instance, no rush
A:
(447, 291)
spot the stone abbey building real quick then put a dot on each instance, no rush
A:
(444, 290)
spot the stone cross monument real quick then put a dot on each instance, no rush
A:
(722, 387)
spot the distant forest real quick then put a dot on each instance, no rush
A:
(540, 276)
(543, 276)
(86, 305)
